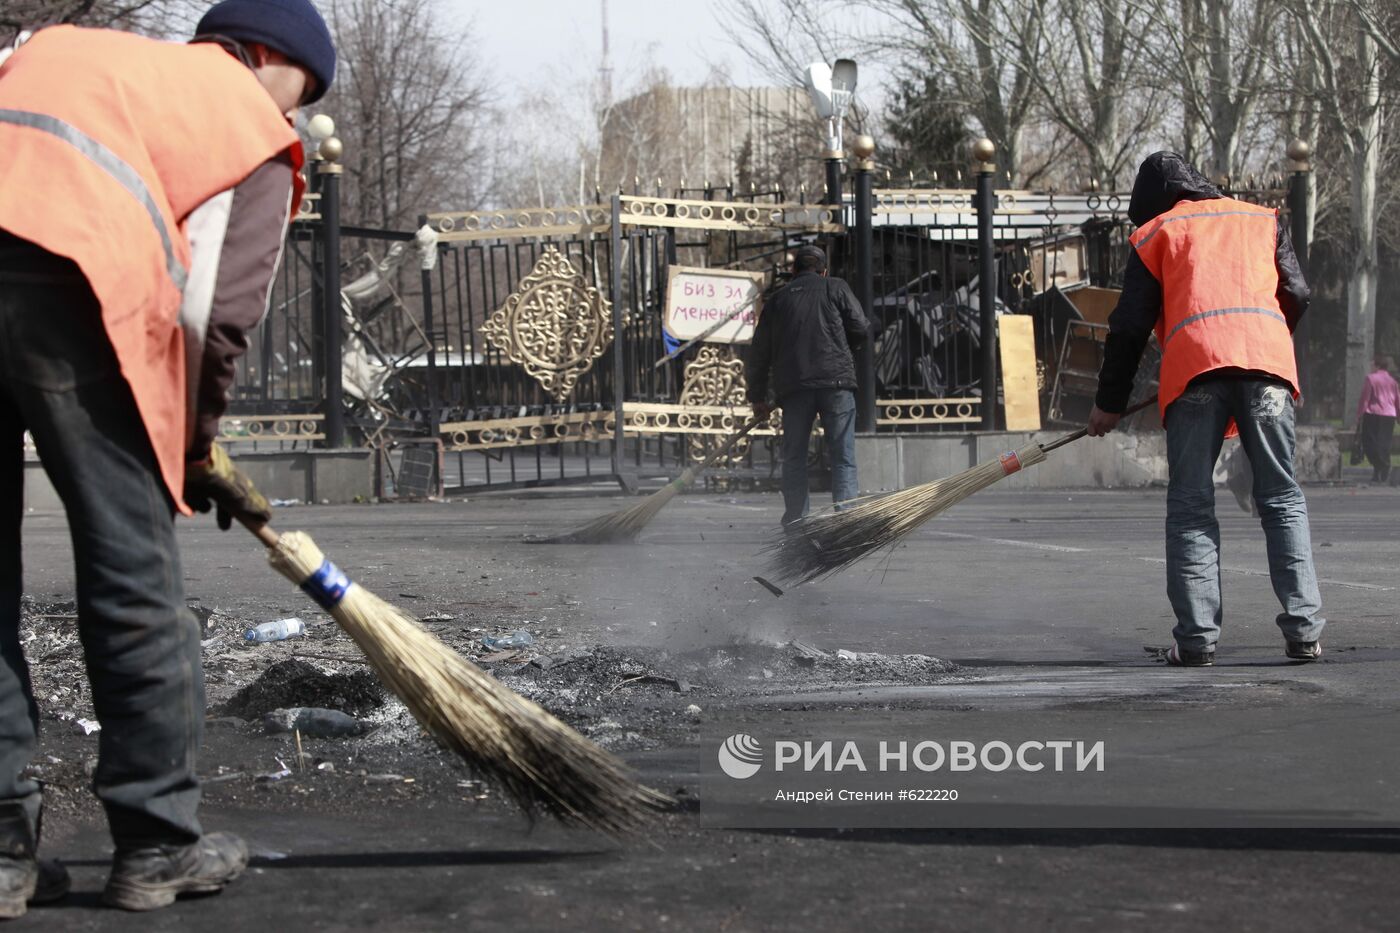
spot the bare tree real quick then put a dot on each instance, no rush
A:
(783, 37)
(988, 53)
(166, 18)
(1216, 56)
(1345, 42)
(409, 101)
(1083, 58)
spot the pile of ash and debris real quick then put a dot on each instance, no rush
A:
(307, 713)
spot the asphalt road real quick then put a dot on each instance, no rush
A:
(1253, 796)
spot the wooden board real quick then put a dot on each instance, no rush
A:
(1018, 382)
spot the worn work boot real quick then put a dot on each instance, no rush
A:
(146, 879)
(24, 879)
(1184, 657)
(1303, 650)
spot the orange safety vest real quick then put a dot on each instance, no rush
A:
(1220, 309)
(109, 141)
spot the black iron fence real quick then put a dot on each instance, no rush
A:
(525, 343)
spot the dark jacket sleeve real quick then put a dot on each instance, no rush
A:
(251, 251)
(1293, 292)
(1129, 328)
(853, 319)
(760, 359)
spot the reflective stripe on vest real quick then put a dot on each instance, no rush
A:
(112, 164)
(1202, 315)
(1168, 220)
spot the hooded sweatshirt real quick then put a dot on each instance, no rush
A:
(1163, 180)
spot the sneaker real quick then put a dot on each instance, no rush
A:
(1178, 656)
(1304, 650)
(146, 879)
(25, 881)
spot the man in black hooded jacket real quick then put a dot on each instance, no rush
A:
(1218, 280)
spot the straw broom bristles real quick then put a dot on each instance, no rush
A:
(625, 524)
(823, 544)
(536, 760)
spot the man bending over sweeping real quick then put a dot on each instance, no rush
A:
(1219, 282)
(145, 189)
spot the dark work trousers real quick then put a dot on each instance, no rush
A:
(60, 381)
(1376, 432)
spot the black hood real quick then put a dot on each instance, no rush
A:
(1164, 179)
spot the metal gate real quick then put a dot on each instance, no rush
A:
(546, 331)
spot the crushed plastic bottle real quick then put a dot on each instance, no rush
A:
(516, 639)
(275, 631)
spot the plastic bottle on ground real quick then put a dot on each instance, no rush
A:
(516, 639)
(275, 631)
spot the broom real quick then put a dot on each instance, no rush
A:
(626, 524)
(512, 743)
(823, 544)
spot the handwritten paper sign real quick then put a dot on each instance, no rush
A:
(697, 299)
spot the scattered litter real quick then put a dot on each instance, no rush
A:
(89, 726)
(807, 655)
(210, 642)
(275, 631)
(770, 587)
(282, 772)
(516, 639)
(203, 615)
(549, 662)
(496, 657)
(326, 766)
(314, 722)
(283, 503)
(223, 778)
(692, 710)
(439, 617)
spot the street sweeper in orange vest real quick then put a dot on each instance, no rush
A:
(1217, 280)
(145, 189)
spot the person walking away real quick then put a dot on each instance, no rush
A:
(1218, 281)
(1375, 416)
(145, 191)
(802, 359)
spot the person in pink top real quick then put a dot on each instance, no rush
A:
(1375, 416)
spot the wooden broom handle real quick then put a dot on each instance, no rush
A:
(1069, 438)
(260, 530)
(734, 438)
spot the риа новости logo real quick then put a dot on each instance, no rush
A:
(740, 756)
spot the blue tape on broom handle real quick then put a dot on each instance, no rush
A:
(327, 585)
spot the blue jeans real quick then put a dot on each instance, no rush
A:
(800, 409)
(60, 381)
(1195, 432)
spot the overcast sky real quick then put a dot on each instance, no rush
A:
(527, 39)
(536, 44)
